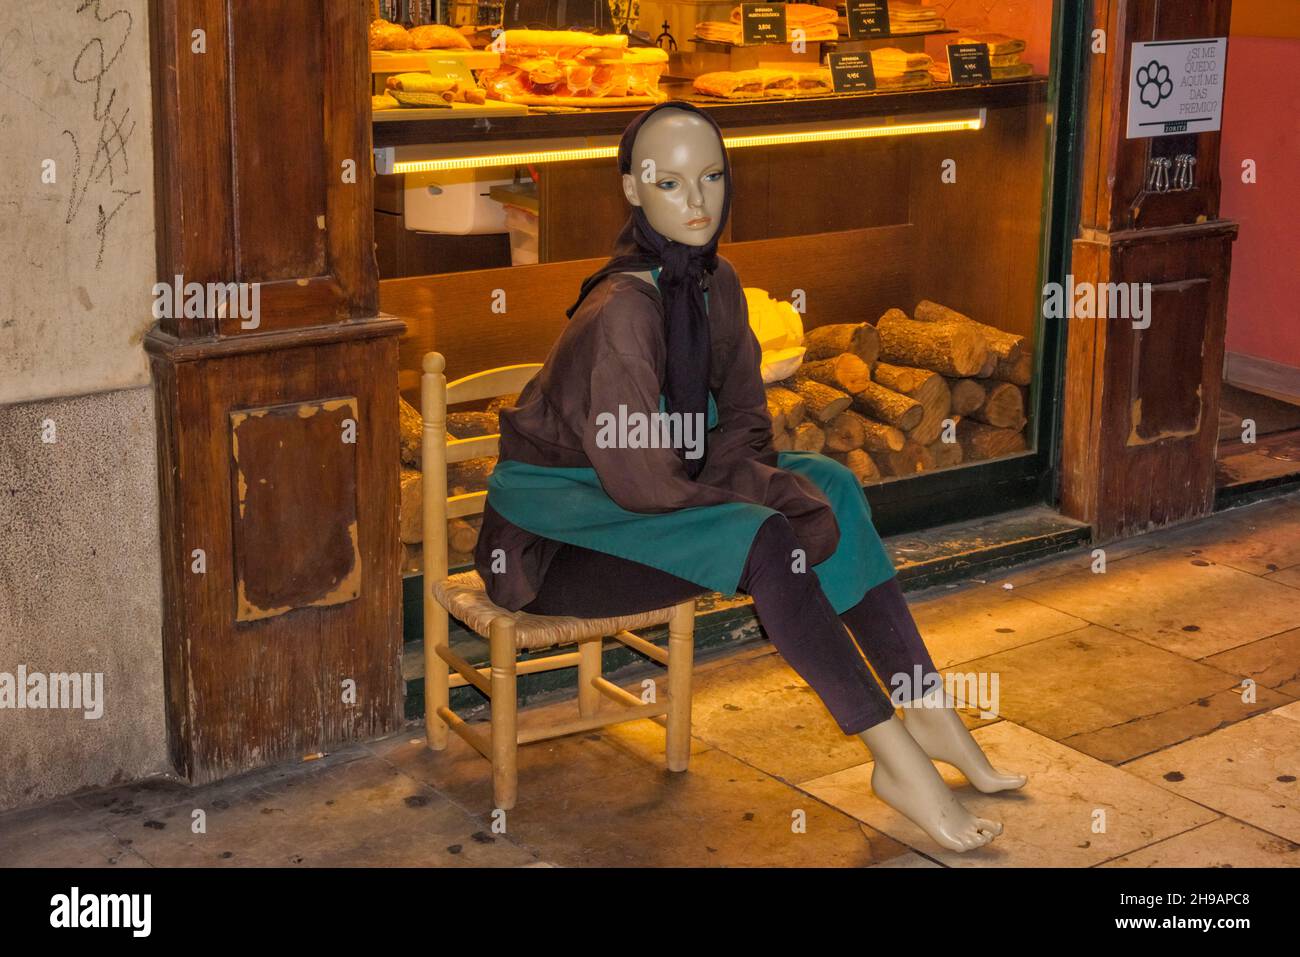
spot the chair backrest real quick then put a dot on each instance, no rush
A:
(438, 450)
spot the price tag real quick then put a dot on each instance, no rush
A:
(762, 23)
(969, 63)
(851, 72)
(867, 18)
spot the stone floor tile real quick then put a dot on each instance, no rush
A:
(1221, 843)
(1286, 576)
(545, 767)
(976, 621)
(1182, 603)
(1048, 823)
(363, 814)
(1259, 538)
(1149, 733)
(1273, 662)
(719, 813)
(60, 834)
(1247, 771)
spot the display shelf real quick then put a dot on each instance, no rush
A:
(728, 114)
(725, 45)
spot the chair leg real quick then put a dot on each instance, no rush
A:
(589, 653)
(436, 671)
(505, 728)
(681, 662)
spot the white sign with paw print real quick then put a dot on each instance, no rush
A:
(1176, 86)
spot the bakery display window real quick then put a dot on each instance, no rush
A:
(898, 209)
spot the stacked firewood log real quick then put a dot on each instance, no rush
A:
(905, 394)
(462, 477)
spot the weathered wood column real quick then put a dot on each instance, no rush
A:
(1141, 404)
(276, 424)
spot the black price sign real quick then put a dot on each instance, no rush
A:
(969, 63)
(851, 72)
(762, 23)
(867, 18)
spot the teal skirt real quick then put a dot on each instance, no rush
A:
(707, 544)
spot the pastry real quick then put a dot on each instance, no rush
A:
(435, 36)
(389, 36)
(572, 68)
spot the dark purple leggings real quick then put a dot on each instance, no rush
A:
(791, 607)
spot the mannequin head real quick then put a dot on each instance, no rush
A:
(678, 177)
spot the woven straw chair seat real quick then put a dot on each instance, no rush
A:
(465, 597)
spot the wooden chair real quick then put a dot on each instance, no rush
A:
(464, 597)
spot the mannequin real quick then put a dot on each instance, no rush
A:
(654, 526)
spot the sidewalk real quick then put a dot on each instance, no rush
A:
(1125, 696)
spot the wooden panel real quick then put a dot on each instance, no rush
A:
(245, 694)
(1114, 195)
(979, 239)
(250, 180)
(278, 91)
(294, 478)
(1136, 454)
(1169, 406)
(453, 313)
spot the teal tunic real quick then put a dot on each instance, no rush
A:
(708, 544)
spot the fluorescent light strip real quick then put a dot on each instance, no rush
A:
(732, 142)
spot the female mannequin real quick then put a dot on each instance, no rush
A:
(576, 525)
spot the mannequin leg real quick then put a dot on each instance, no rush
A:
(800, 620)
(884, 628)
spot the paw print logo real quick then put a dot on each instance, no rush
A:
(1154, 83)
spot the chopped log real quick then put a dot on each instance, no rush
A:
(857, 461)
(910, 459)
(410, 511)
(848, 430)
(785, 407)
(937, 409)
(882, 438)
(845, 372)
(502, 402)
(886, 405)
(905, 379)
(945, 453)
(990, 364)
(470, 475)
(809, 438)
(410, 428)
(967, 395)
(1003, 406)
(857, 338)
(461, 536)
(1006, 345)
(926, 387)
(783, 441)
(821, 402)
(980, 441)
(953, 348)
(467, 425)
(1021, 371)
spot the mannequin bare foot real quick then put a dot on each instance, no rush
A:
(905, 779)
(941, 735)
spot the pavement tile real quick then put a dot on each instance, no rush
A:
(60, 834)
(720, 813)
(1052, 822)
(1221, 843)
(1272, 662)
(1179, 602)
(1259, 538)
(1247, 771)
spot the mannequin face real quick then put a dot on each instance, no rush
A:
(681, 157)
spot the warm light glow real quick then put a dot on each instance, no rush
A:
(733, 142)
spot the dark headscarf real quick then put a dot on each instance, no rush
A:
(686, 273)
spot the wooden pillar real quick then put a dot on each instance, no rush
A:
(277, 418)
(1141, 404)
